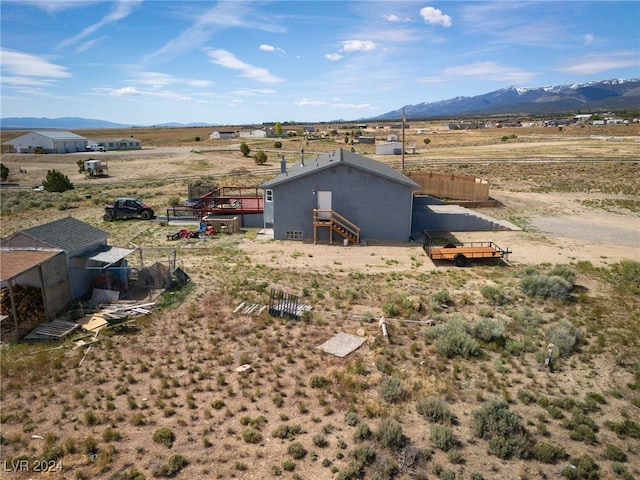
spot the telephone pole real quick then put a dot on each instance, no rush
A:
(403, 119)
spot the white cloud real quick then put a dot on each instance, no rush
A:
(434, 16)
(121, 10)
(126, 92)
(25, 64)
(602, 62)
(393, 18)
(352, 106)
(229, 60)
(487, 71)
(305, 102)
(270, 48)
(158, 80)
(357, 46)
(251, 92)
(334, 57)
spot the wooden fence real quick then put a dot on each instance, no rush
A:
(449, 186)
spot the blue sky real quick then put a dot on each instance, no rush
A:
(240, 62)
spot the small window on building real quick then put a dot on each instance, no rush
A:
(293, 235)
(334, 170)
(269, 195)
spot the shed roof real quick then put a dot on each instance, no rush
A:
(107, 254)
(341, 157)
(68, 233)
(13, 262)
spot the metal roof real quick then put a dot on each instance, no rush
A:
(107, 254)
(13, 262)
(340, 157)
(68, 233)
(59, 135)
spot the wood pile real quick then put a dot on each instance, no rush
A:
(29, 307)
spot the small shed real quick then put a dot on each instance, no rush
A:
(253, 133)
(47, 141)
(389, 148)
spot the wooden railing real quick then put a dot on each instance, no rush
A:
(336, 223)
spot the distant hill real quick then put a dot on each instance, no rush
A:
(33, 123)
(605, 95)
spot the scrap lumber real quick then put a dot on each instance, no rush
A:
(53, 330)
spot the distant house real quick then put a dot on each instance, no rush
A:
(117, 143)
(48, 141)
(257, 133)
(366, 140)
(339, 187)
(87, 254)
(392, 138)
(389, 148)
(217, 135)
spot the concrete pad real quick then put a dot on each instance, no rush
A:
(342, 344)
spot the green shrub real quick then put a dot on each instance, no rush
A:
(297, 450)
(132, 474)
(170, 469)
(564, 336)
(289, 465)
(392, 390)
(318, 381)
(488, 330)
(260, 157)
(287, 431)
(581, 468)
(441, 297)
(435, 410)
(277, 144)
(626, 428)
(363, 432)
(547, 453)
(390, 434)
(507, 437)
(56, 181)
(452, 340)
(564, 271)
(443, 437)
(493, 295)
(251, 435)
(245, 149)
(547, 287)
(164, 436)
(352, 418)
(615, 453)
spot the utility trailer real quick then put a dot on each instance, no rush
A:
(460, 253)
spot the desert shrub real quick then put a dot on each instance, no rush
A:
(547, 453)
(251, 435)
(277, 144)
(581, 468)
(363, 454)
(390, 434)
(565, 336)
(260, 157)
(626, 428)
(164, 436)
(621, 471)
(493, 295)
(287, 431)
(363, 432)
(488, 330)
(435, 410)
(318, 381)
(245, 149)
(173, 466)
(615, 453)
(441, 297)
(626, 276)
(443, 437)
(111, 435)
(297, 450)
(56, 181)
(564, 271)
(289, 465)
(452, 340)
(320, 441)
(383, 365)
(526, 397)
(352, 418)
(392, 390)
(132, 474)
(496, 423)
(546, 286)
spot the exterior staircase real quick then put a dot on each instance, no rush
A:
(335, 223)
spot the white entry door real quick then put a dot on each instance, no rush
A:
(324, 203)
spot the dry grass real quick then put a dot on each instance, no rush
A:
(301, 413)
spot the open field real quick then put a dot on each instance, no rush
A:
(467, 396)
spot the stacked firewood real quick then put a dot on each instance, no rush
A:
(29, 307)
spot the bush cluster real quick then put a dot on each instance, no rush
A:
(390, 434)
(443, 437)
(546, 286)
(164, 436)
(502, 428)
(564, 336)
(392, 390)
(452, 340)
(435, 410)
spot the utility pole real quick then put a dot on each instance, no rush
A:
(403, 119)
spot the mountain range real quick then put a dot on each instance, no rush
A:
(592, 97)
